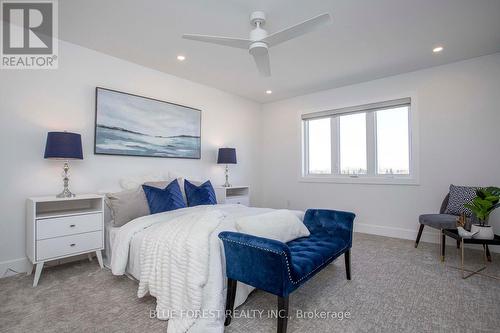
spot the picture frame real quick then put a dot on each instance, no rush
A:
(132, 125)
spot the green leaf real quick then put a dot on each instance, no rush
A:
(494, 190)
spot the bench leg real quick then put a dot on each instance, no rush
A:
(347, 257)
(419, 234)
(282, 314)
(231, 294)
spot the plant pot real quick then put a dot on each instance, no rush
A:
(483, 232)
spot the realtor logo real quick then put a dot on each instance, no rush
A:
(29, 34)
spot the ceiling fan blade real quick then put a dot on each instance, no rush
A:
(261, 58)
(240, 43)
(298, 29)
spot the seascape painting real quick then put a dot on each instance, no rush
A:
(138, 126)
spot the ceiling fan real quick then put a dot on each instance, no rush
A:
(259, 40)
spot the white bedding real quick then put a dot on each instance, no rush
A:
(134, 265)
(125, 244)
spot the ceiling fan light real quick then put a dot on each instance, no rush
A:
(269, 92)
(180, 57)
(437, 49)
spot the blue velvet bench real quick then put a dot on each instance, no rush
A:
(280, 268)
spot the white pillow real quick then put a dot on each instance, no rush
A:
(133, 182)
(280, 225)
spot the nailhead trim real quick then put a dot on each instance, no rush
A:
(286, 258)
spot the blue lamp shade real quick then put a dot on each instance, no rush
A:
(226, 156)
(64, 145)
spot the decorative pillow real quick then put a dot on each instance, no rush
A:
(164, 183)
(460, 195)
(203, 194)
(280, 225)
(127, 205)
(163, 200)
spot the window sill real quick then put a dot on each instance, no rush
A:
(360, 180)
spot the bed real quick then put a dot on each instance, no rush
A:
(125, 249)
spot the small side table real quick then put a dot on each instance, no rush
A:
(453, 233)
(57, 228)
(233, 195)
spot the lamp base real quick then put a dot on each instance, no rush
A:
(226, 184)
(66, 193)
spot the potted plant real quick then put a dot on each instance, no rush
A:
(486, 200)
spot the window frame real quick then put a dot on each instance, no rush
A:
(371, 177)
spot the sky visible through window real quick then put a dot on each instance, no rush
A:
(393, 156)
(352, 136)
(391, 143)
(320, 152)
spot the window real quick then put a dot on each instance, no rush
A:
(352, 142)
(320, 146)
(393, 141)
(367, 143)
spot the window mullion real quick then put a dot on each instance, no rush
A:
(305, 147)
(371, 140)
(334, 137)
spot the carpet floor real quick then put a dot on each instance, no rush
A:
(394, 288)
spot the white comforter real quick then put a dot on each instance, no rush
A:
(204, 292)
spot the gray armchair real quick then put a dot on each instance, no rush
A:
(459, 196)
(438, 221)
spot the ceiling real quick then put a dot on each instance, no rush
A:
(368, 39)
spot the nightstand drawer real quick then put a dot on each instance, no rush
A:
(241, 200)
(62, 246)
(68, 225)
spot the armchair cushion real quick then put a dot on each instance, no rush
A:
(439, 221)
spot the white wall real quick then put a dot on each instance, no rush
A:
(33, 102)
(458, 109)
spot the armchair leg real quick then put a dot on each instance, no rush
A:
(443, 245)
(488, 255)
(282, 314)
(347, 257)
(458, 244)
(419, 234)
(231, 294)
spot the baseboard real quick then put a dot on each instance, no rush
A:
(429, 235)
(14, 266)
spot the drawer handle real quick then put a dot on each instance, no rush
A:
(72, 244)
(72, 225)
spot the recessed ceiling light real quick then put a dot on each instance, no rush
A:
(181, 58)
(437, 49)
(269, 92)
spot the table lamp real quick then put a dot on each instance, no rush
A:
(226, 156)
(64, 146)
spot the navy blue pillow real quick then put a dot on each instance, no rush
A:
(169, 198)
(199, 195)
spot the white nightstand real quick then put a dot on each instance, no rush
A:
(233, 195)
(63, 227)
